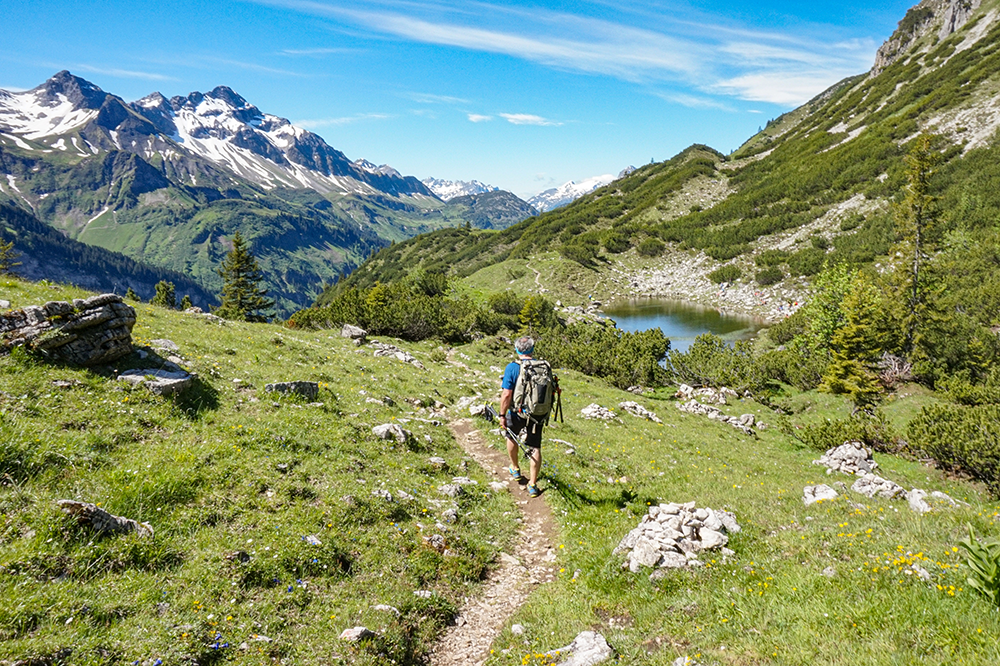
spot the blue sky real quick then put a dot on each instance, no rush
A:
(521, 95)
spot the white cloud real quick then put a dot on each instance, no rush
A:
(428, 98)
(122, 73)
(782, 88)
(694, 101)
(528, 119)
(345, 120)
(661, 44)
(477, 118)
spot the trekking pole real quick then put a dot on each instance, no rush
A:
(509, 433)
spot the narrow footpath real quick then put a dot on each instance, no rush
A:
(468, 641)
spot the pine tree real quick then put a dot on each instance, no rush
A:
(165, 295)
(131, 295)
(242, 298)
(8, 258)
(186, 303)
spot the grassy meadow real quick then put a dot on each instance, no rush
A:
(234, 480)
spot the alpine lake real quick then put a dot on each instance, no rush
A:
(680, 321)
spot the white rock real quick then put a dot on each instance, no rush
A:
(589, 648)
(915, 498)
(871, 485)
(595, 411)
(356, 634)
(636, 409)
(813, 494)
(711, 539)
(391, 431)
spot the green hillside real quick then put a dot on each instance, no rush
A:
(234, 479)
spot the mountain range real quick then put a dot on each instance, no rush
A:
(167, 181)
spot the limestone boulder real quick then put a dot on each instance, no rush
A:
(86, 332)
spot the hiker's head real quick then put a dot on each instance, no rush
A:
(524, 346)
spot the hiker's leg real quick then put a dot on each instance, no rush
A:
(536, 466)
(512, 453)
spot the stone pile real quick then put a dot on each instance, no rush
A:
(850, 458)
(595, 411)
(85, 332)
(670, 536)
(853, 458)
(383, 349)
(636, 409)
(746, 422)
(709, 396)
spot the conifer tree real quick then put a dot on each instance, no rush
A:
(165, 295)
(131, 295)
(242, 297)
(8, 258)
(915, 219)
(186, 303)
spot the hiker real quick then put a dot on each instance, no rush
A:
(513, 419)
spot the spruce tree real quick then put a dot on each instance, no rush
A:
(242, 297)
(8, 258)
(165, 295)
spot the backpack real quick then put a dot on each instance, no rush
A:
(535, 389)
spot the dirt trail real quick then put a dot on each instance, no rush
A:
(467, 642)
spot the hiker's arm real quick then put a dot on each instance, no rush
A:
(506, 398)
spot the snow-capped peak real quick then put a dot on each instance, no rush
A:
(449, 189)
(568, 192)
(60, 105)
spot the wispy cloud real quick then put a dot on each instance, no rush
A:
(122, 73)
(428, 98)
(477, 118)
(528, 119)
(345, 120)
(694, 101)
(706, 53)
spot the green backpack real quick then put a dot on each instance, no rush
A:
(535, 389)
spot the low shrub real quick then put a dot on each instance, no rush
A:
(961, 439)
(769, 276)
(727, 273)
(871, 429)
(771, 258)
(651, 247)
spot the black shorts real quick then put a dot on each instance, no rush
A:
(517, 423)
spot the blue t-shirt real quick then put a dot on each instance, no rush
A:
(510, 375)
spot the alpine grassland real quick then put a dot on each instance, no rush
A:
(280, 522)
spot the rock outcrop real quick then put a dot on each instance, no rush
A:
(85, 332)
(102, 521)
(308, 390)
(947, 15)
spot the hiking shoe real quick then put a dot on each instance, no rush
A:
(515, 474)
(533, 491)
